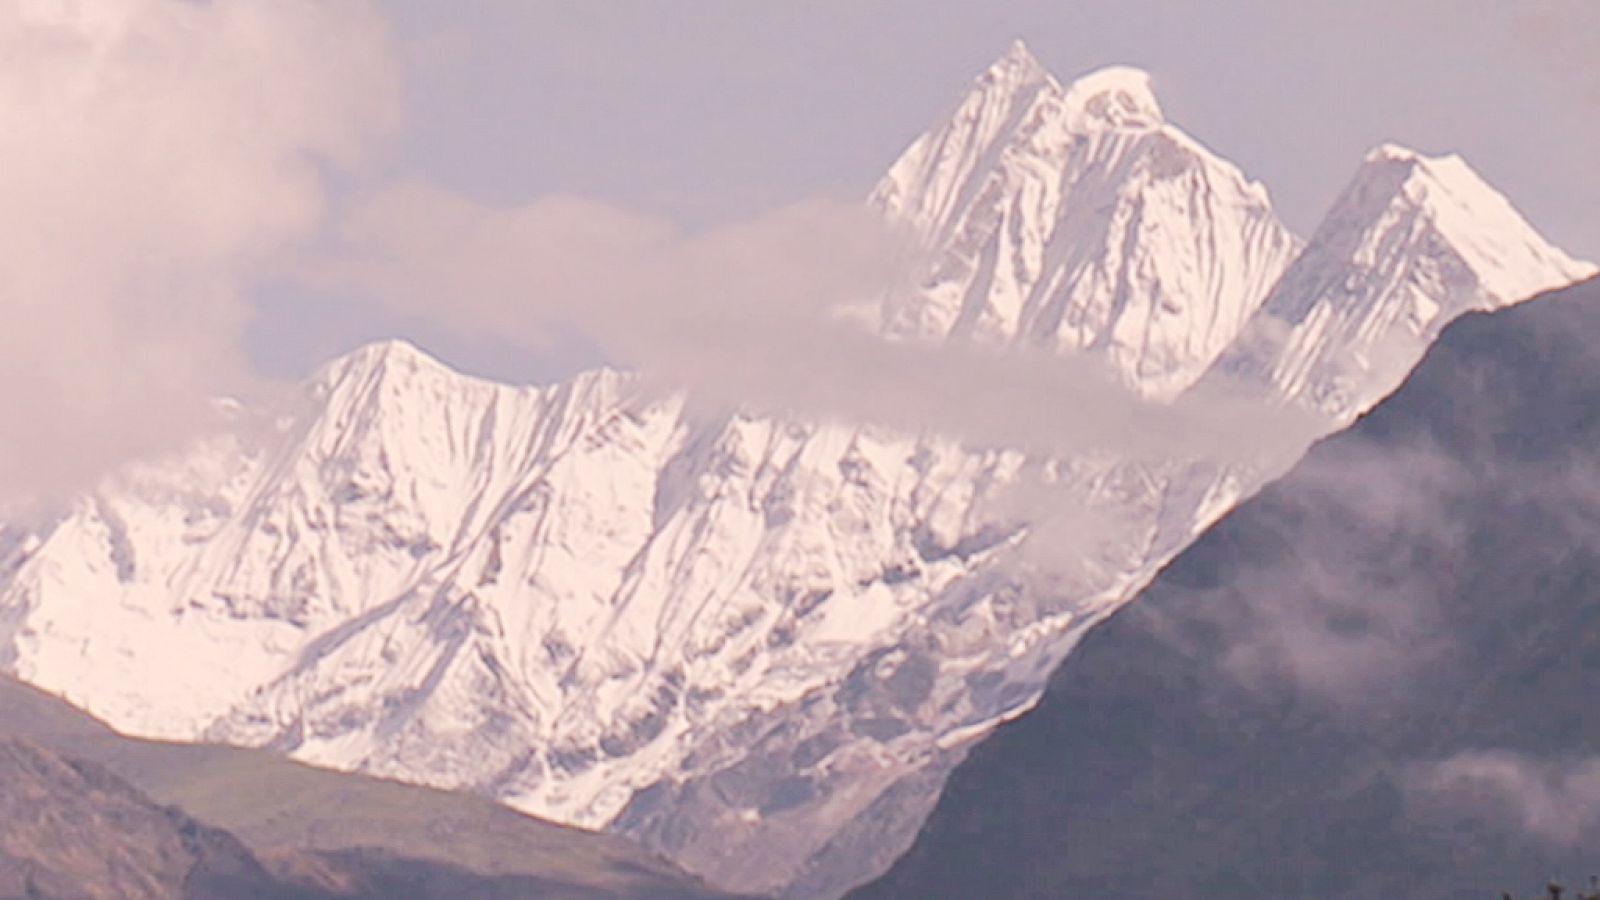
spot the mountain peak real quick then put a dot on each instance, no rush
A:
(1490, 235)
(1114, 97)
(387, 358)
(1395, 169)
(1016, 73)
(1018, 58)
(1074, 218)
(392, 350)
(1391, 152)
(1412, 242)
(1399, 170)
(386, 370)
(1445, 166)
(388, 354)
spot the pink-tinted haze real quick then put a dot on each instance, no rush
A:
(154, 156)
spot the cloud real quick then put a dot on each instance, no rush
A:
(1349, 587)
(773, 314)
(654, 293)
(1557, 800)
(155, 154)
(1339, 597)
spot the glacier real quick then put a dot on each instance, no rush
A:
(756, 643)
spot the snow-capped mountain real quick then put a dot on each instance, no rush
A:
(1077, 219)
(1411, 243)
(562, 597)
(755, 643)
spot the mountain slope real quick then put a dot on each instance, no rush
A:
(74, 830)
(1411, 243)
(1077, 219)
(317, 832)
(563, 597)
(754, 643)
(1375, 679)
(727, 635)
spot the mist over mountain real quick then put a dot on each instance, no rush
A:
(1374, 679)
(756, 642)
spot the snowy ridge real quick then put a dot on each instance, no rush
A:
(564, 597)
(754, 643)
(1410, 244)
(255, 541)
(1076, 219)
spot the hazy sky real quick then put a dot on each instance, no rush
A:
(710, 111)
(714, 108)
(197, 194)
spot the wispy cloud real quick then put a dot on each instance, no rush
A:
(1337, 596)
(159, 154)
(773, 313)
(1557, 800)
(1360, 576)
(154, 154)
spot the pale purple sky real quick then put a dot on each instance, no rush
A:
(189, 185)
(710, 111)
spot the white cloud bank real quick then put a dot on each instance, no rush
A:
(153, 155)
(769, 314)
(159, 155)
